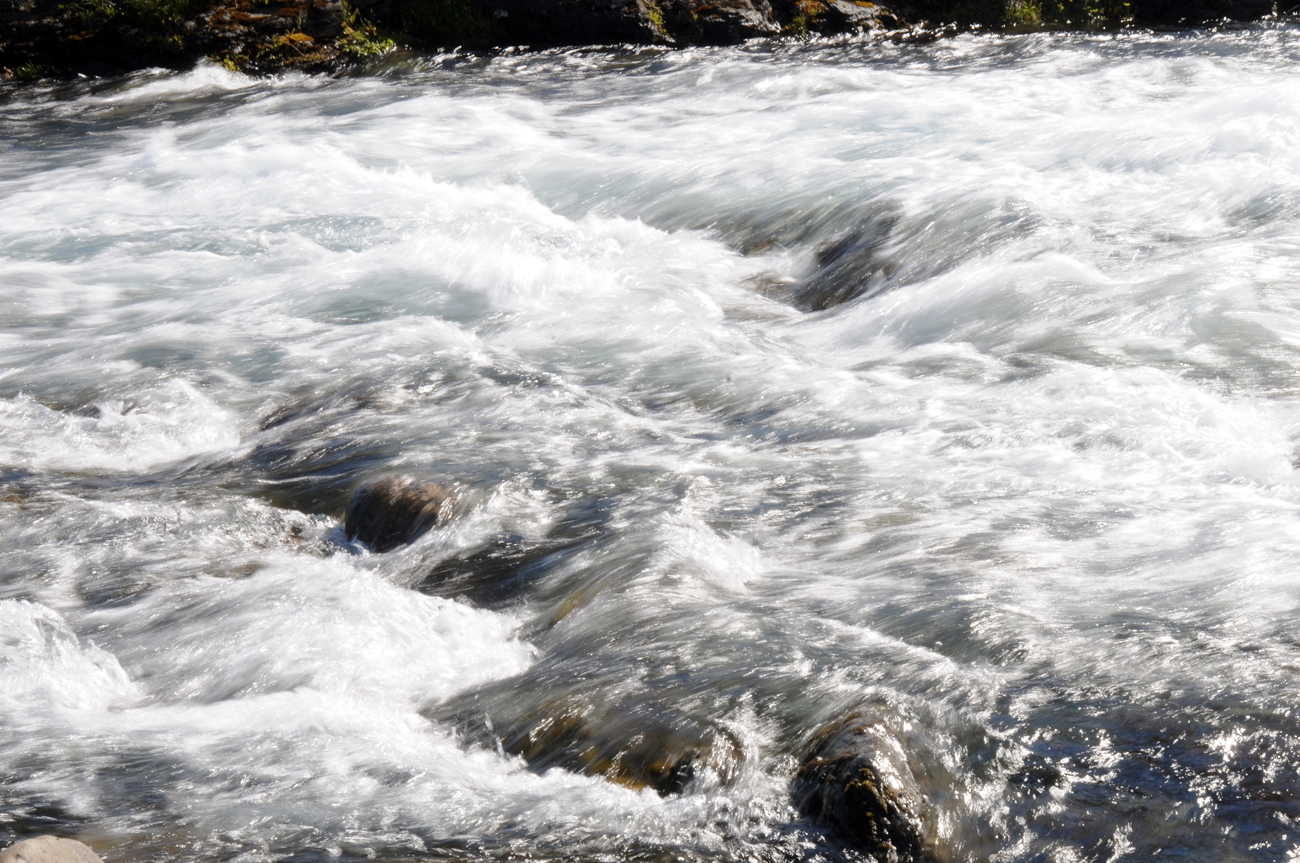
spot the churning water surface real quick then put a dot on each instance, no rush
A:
(1031, 489)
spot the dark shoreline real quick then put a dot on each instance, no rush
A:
(50, 39)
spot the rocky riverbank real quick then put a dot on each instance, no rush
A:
(50, 38)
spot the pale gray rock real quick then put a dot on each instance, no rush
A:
(49, 849)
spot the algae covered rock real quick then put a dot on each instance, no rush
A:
(49, 849)
(395, 509)
(856, 779)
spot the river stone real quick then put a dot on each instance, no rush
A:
(642, 745)
(829, 17)
(718, 22)
(856, 780)
(49, 849)
(394, 510)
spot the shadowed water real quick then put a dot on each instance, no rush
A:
(957, 380)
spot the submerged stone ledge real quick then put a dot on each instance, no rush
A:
(42, 39)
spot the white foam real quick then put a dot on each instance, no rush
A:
(168, 422)
(1056, 457)
(44, 666)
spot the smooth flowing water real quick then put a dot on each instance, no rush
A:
(1031, 490)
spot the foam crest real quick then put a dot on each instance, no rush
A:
(163, 424)
(44, 666)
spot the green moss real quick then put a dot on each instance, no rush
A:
(806, 13)
(1023, 13)
(360, 37)
(443, 22)
(1087, 13)
(28, 72)
(656, 16)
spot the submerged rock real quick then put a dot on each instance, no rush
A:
(637, 746)
(509, 565)
(856, 779)
(394, 510)
(851, 266)
(49, 849)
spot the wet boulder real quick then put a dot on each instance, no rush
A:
(829, 17)
(49, 849)
(717, 22)
(856, 779)
(638, 746)
(394, 510)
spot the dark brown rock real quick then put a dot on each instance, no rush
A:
(857, 780)
(394, 510)
(49, 849)
(830, 17)
(718, 22)
(638, 746)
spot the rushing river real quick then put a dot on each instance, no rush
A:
(1031, 489)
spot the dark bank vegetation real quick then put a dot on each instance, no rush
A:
(65, 38)
(545, 23)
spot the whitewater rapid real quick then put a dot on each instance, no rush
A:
(1034, 489)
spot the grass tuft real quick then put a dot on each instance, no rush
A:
(656, 16)
(360, 36)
